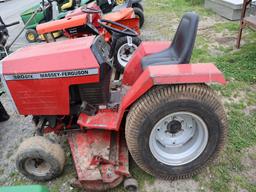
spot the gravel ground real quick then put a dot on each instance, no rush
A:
(12, 132)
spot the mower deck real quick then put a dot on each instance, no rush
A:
(100, 157)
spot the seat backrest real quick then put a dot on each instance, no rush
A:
(184, 39)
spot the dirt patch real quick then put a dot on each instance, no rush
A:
(249, 162)
(249, 110)
(12, 132)
(173, 186)
(223, 40)
(235, 98)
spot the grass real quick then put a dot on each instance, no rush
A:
(240, 65)
(230, 26)
(239, 68)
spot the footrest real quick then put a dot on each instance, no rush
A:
(106, 120)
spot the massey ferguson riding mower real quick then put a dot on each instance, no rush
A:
(162, 110)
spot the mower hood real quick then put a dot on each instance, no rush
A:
(38, 78)
(65, 55)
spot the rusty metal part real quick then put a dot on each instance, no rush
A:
(100, 157)
(97, 185)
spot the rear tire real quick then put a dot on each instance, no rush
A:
(139, 14)
(199, 109)
(31, 35)
(121, 58)
(39, 159)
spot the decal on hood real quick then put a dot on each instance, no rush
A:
(50, 75)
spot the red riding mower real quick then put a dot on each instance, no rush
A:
(84, 22)
(108, 6)
(163, 109)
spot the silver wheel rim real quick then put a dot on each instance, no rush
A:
(37, 167)
(178, 138)
(125, 53)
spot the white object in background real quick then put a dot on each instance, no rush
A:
(55, 10)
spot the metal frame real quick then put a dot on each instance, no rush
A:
(245, 21)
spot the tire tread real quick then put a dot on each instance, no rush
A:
(162, 94)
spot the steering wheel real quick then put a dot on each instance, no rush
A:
(126, 30)
(90, 10)
(45, 5)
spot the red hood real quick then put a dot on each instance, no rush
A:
(58, 56)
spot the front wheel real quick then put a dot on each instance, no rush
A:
(39, 159)
(124, 52)
(173, 132)
(31, 35)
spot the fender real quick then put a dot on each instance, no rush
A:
(169, 75)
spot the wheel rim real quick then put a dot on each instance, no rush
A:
(178, 138)
(37, 167)
(31, 37)
(119, 2)
(125, 53)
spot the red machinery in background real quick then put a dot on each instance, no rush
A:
(162, 110)
(84, 21)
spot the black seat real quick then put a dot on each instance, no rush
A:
(180, 50)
